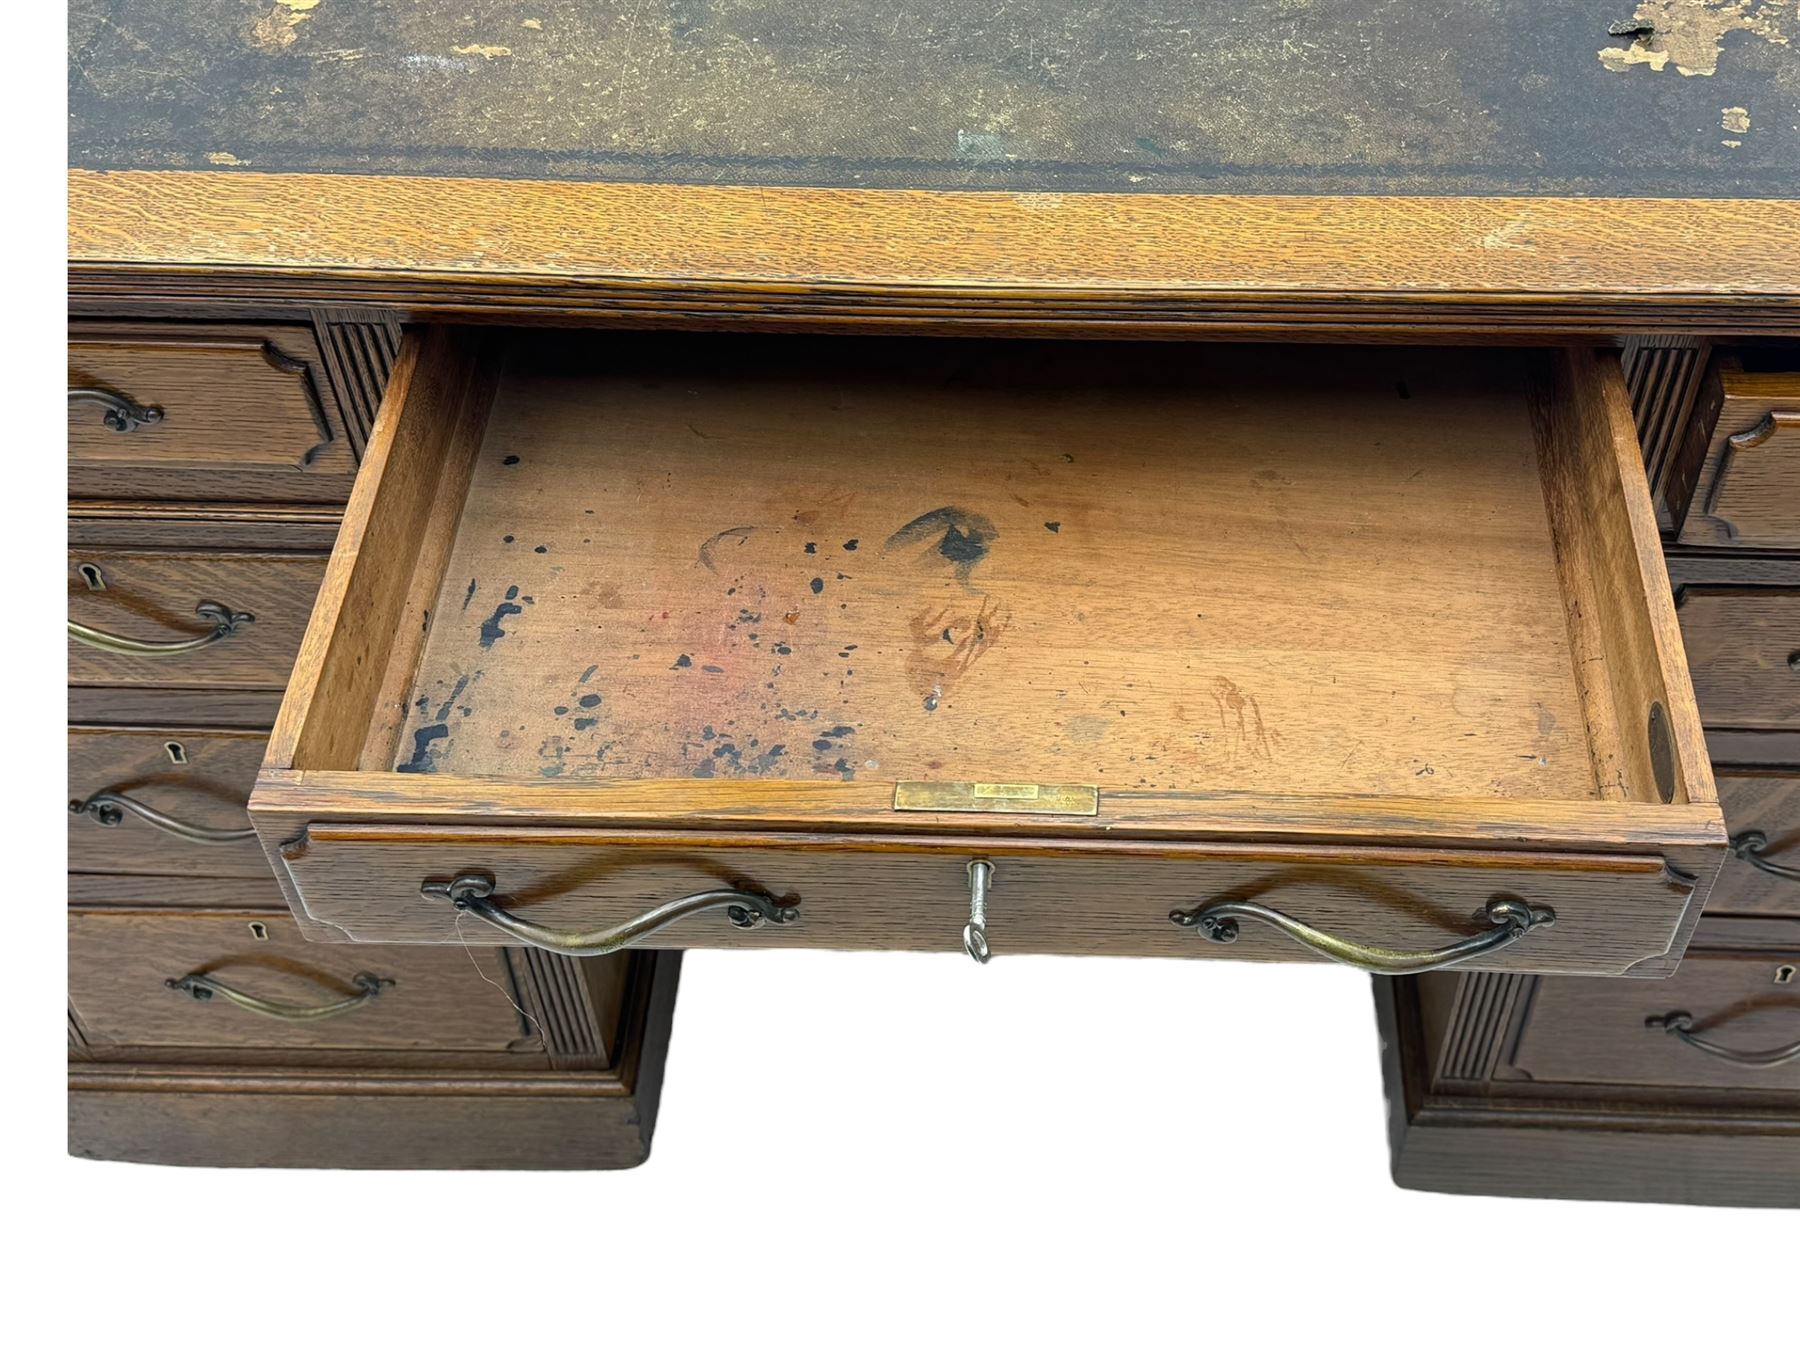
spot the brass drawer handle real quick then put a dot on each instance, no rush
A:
(1748, 847)
(1680, 1025)
(474, 894)
(224, 621)
(121, 413)
(107, 807)
(1510, 916)
(203, 987)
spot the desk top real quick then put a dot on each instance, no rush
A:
(1531, 97)
(296, 133)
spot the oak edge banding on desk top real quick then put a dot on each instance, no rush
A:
(442, 245)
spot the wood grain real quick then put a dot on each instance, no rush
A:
(1665, 374)
(151, 594)
(437, 402)
(285, 800)
(1166, 262)
(1627, 645)
(1745, 646)
(234, 709)
(1718, 1146)
(1097, 898)
(98, 890)
(1748, 491)
(1594, 1031)
(1766, 801)
(1444, 551)
(247, 413)
(441, 1000)
(382, 1116)
(206, 780)
(1136, 569)
(210, 525)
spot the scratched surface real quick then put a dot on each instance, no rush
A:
(1307, 96)
(1058, 563)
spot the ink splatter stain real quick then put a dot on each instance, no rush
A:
(423, 759)
(962, 538)
(491, 631)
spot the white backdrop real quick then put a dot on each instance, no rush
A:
(854, 1150)
(874, 1150)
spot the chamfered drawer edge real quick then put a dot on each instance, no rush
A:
(1614, 913)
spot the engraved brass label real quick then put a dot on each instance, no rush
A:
(1044, 799)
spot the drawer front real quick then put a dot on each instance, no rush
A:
(1615, 1032)
(1743, 645)
(164, 802)
(914, 894)
(225, 412)
(121, 963)
(1762, 873)
(1748, 494)
(153, 597)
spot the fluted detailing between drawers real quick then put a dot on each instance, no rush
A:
(1485, 1004)
(1664, 374)
(562, 1006)
(359, 355)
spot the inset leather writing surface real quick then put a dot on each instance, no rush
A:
(1258, 96)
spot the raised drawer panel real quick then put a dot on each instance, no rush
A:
(121, 963)
(239, 412)
(1762, 812)
(1615, 1032)
(1748, 493)
(389, 1110)
(197, 784)
(1743, 645)
(153, 596)
(1553, 1087)
(368, 884)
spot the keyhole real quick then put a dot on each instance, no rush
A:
(259, 930)
(95, 578)
(177, 752)
(1784, 974)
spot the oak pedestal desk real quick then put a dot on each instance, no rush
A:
(551, 489)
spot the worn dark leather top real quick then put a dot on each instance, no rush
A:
(1251, 96)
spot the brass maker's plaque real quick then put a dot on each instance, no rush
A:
(1041, 799)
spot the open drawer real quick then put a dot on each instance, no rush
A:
(1024, 647)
